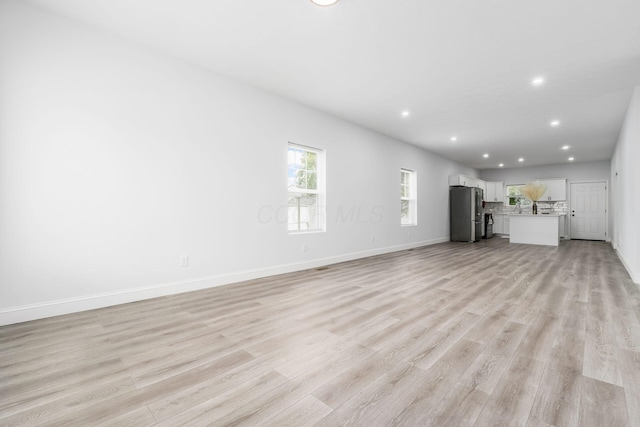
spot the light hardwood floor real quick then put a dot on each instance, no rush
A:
(480, 334)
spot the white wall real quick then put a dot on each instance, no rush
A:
(625, 180)
(116, 160)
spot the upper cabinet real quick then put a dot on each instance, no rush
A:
(465, 181)
(495, 192)
(556, 190)
(483, 185)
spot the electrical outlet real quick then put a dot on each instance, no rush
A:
(184, 261)
(372, 239)
(304, 247)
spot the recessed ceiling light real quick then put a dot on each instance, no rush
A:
(501, 165)
(405, 113)
(521, 159)
(454, 138)
(565, 147)
(485, 155)
(537, 81)
(571, 159)
(324, 2)
(555, 123)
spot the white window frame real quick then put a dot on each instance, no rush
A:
(518, 198)
(319, 191)
(412, 198)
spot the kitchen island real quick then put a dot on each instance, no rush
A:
(540, 229)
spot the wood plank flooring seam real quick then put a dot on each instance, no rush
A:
(516, 335)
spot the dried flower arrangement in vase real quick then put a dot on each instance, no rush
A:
(533, 191)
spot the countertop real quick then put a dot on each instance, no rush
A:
(528, 214)
(537, 215)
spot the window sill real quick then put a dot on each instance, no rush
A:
(293, 233)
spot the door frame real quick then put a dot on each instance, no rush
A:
(606, 209)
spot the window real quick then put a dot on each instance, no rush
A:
(515, 197)
(408, 198)
(305, 178)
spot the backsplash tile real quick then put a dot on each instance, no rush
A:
(546, 207)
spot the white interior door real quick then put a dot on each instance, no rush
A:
(588, 210)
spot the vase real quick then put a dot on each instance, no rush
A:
(535, 208)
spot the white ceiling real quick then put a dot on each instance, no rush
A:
(461, 67)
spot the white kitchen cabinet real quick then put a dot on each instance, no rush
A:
(494, 192)
(483, 185)
(460, 180)
(531, 229)
(501, 223)
(556, 190)
(498, 223)
(472, 182)
(467, 182)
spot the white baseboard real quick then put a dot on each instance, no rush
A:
(634, 275)
(42, 310)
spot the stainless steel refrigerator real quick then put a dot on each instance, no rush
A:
(465, 210)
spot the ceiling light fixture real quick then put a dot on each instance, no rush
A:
(501, 165)
(405, 113)
(485, 155)
(537, 81)
(521, 159)
(324, 2)
(565, 147)
(454, 138)
(555, 123)
(571, 159)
